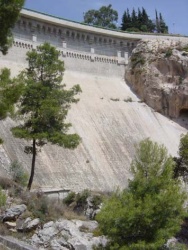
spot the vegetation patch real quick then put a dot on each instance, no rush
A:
(168, 53)
(18, 173)
(114, 99)
(137, 59)
(128, 99)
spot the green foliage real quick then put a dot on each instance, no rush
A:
(181, 168)
(114, 99)
(18, 173)
(70, 198)
(9, 12)
(150, 210)
(40, 206)
(82, 197)
(97, 200)
(44, 103)
(177, 246)
(161, 26)
(10, 91)
(128, 99)
(104, 17)
(137, 21)
(168, 52)
(2, 198)
(183, 148)
(140, 21)
(185, 48)
(137, 59)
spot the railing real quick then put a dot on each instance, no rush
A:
(72, 53)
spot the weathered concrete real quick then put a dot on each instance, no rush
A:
(108, 125)
(109, 130)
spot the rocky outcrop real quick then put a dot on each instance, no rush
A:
(27, 225)
(68, 234)
(158, 73)
(11, 214)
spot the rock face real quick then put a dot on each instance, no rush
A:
(158, 73)
(66, 234)
(27, 225)
(13, 213)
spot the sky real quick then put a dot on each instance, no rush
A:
(174, 12)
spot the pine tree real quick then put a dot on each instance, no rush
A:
(44, 104)
(150, 210)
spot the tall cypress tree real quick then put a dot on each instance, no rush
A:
(157, 22)
(134, 19)
(139, 18)
(126, 20)
(162, 24)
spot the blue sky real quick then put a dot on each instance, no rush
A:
(175, 12)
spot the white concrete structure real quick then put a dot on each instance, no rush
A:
(108, 125)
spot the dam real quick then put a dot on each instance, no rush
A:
(110, 118)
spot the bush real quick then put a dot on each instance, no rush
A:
(42, 207)
(97, 200)
(137, 59)
(168, 53)
(6, 183)
(70, 198)
(81, 198)
(150, 210)
(114, 99)
(128, 99)
(18, 173)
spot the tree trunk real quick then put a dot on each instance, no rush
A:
(32, 166)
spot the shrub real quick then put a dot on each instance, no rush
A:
(168, 52)
(97, 200)
(2, 198)
(41, 206)
(5, 183)
(70, 198)
(82, 197)
(18, 173)
(128, 99)
(137, 59)
(114, 99)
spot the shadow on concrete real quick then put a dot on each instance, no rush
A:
(182, 120)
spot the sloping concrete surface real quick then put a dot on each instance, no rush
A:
(109, 129)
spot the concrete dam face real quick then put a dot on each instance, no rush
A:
(108, 124)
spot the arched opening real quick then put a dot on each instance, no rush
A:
(183, 117)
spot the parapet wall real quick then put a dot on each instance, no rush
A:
(82, 48)
(76, 61)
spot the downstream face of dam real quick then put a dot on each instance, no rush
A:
(110, 126)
